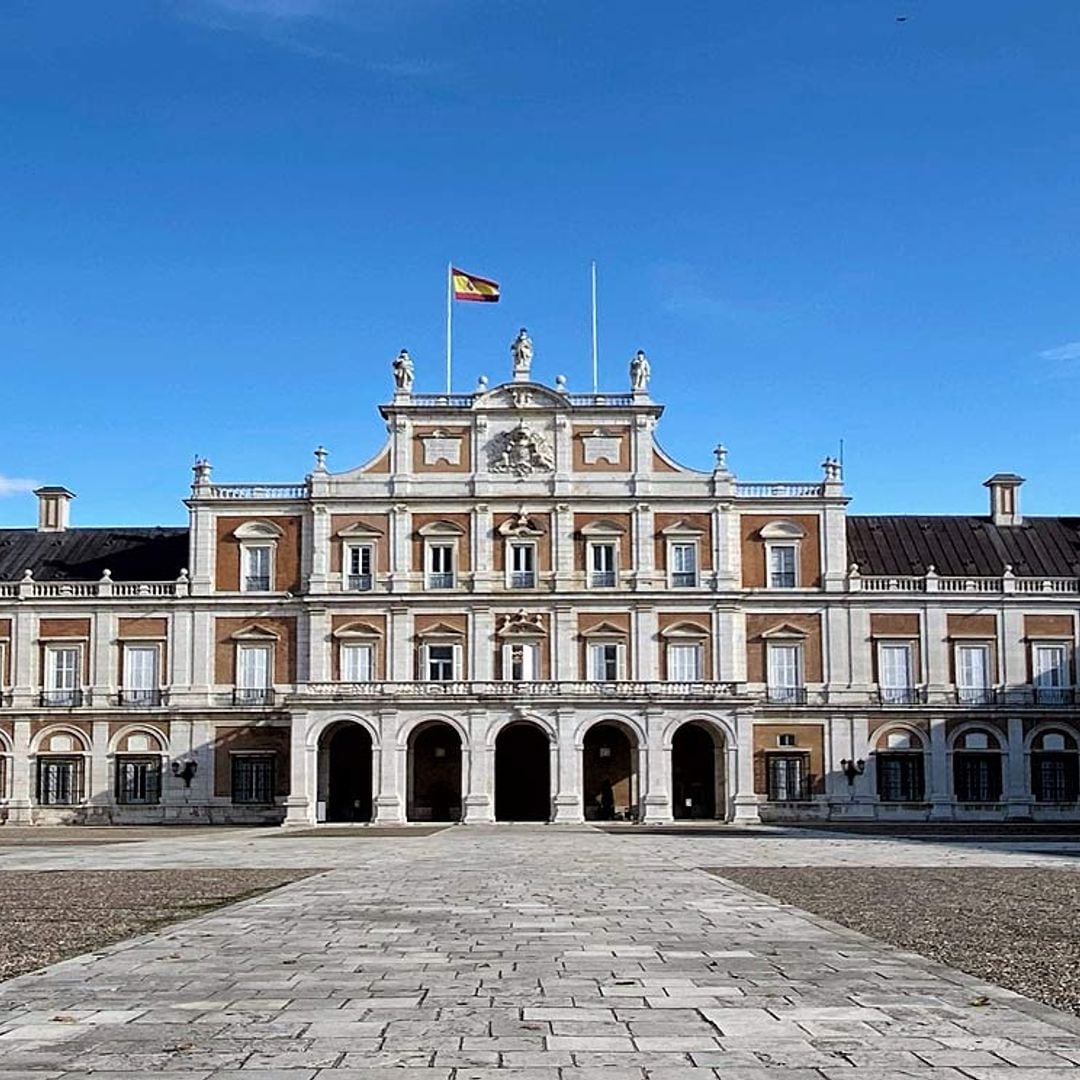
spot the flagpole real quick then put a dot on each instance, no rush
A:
(449, 321)
(595, 350)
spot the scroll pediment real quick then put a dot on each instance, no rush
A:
(522, 525)
(521, 624)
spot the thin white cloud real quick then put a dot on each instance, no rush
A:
(13, 485)
(1069, 351)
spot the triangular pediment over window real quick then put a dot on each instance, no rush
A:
(682, 528)
(604, 629)
(602, 528)
(255, 632)
(440, 630)
(784, 630)
(359, 531)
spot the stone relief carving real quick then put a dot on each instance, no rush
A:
(521, 622)
(520, 452)
(441, 446)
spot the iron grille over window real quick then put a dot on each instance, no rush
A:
(788, 778)
(1054, 777)
(65, 698)
(138, 780)
(59, 781)
(253, 779)
(900, 777)
(977, 777)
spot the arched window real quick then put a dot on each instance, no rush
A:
(901, 772)
(977, 767)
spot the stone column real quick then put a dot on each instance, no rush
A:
(567, 769)
(390, 781)
(479, 801)
(656, 803)
(939, 783)
(746, 800)
(300, 802)
(1018, 796)
(22, 779)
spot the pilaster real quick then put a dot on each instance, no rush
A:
(939, 781)
(1018, 797)
(567, 802)
(300, 802)
(19, 806)
(390, 779)
(656, 802)
(746, 799)
(316, 642)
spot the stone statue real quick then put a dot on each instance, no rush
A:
(639, 372)
(403, 372)
(522, 352)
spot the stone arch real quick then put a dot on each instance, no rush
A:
(345, 770)
(40, 744)
(1048, 727)
(997, 740)
(500, 722)
(117, 743)
(405, 731)
(523, 770)
(629, 722)
(611, 751)
(435, 749)
(1053, 771)
(899, 774)
(315, 731)
(978, 773)
(699, 749)
(721, 726)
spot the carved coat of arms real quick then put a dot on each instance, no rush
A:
(520, 452)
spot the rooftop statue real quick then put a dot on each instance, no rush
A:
(404, 373)
(522, 352)
(640, 373)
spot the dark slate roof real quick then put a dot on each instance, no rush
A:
(157, 554)
(964, 546)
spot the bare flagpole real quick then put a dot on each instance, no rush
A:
(449, 321)
(595, 349)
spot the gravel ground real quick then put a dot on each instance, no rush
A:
(1017, 927)
(47, 915)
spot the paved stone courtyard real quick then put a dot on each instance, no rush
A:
(541, 953)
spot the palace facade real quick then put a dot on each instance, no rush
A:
(521, 608)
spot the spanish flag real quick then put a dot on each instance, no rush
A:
(471, 287)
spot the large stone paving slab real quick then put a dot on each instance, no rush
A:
(535, 953)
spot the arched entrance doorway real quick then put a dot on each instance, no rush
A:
(522, 773)
(697, 772)
(434, 773)
(610, 772)
(345, 773)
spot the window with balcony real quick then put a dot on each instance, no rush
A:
(253, 779)
(787, 777)
(602, 565)
(141, 679)
(522, 565)
(254, 674)
(977, 768)
(973, 685)
(440, 662)
(359, 567)
(785, 673)
(896, 677)
(138, 780)
(357, 661)
(1050, 674)
(258, 567)
(59, 780)
(605, 661)
(440, 566)
(521, 661)
(683, 560)
(63, 677)
(684, 662)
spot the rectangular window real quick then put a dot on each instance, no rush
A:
(602, 566)
(62, 677)
(973, 675)
(357, 662)
(977, 777)
(522, 566)
(440, 566)
(520, 662)
(683, 565)
(684, 663)
(440, 663)
(138, 780)
(788, 780)
(895, 674)
(141, 685)
(900, 777)
(1054, 777)
(257, 564)
(604, 662)
(1050, 674)
(253, 663)
(782, 565)
(253, 779)
(785, 674)
(359, 561)
(59, 781)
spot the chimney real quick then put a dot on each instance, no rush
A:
(1005, 498)
(53, 508)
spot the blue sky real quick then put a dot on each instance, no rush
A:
(222, 219)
